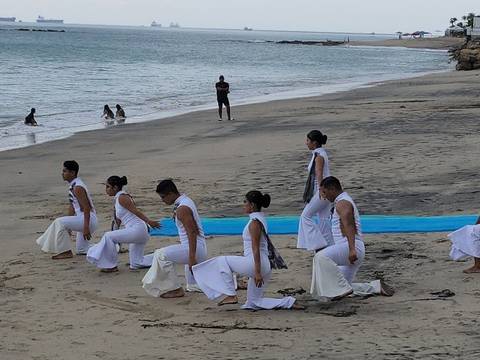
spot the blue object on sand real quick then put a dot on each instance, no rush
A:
(371, 224)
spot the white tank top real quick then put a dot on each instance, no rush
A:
(247, 237)
(184, 200)
(127, 218)
(73, 199)
(326, 167)
(336, 229)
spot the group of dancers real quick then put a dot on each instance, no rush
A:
(329, 227)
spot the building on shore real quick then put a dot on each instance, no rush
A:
(474, 31)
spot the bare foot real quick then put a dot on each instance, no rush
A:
(64, 255)
(472, 270)
(173, 294)
(297, 306)
(111, 270)
(229, 300)
(242, 284)
(339, 297)
(386, 290)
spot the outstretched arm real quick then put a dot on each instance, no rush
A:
(255, 229)
(347, 219)
(185, 216)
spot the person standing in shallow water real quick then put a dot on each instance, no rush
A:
(107, 113)
(120, 114)
(30, 118)
(223, 89)
(313, 235)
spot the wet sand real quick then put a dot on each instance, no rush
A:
(403, 147)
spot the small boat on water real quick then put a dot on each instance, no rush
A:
(155, 24)
(246, 28)
(41, 19)
(8, 19)
(174, 25)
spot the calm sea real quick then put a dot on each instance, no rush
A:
(156, 72)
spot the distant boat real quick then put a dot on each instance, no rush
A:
(8, 19)
(246, 28)
(41, 19)
(155, 24)
(174, 25)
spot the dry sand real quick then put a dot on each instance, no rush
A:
(403, 147)
(437, 43)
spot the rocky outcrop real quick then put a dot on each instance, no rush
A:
(467, 56)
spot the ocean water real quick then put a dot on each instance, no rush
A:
(156, 72)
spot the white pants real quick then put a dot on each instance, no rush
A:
(312, 234)
(162, 276)
(333, 274)
(465, 242)
(215, 278)
(56, 239)
(105, 255)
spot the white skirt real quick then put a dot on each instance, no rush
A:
(465, 242)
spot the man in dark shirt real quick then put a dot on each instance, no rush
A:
(30, 119)
(222, 96)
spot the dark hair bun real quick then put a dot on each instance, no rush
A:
(123, 180)
(266, 200)
(316, 135)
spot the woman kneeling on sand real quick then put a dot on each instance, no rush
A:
(466, 243)
(215, 276)
(135, 231)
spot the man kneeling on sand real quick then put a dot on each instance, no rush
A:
(82, 219)
(162, 280)
(335, 267)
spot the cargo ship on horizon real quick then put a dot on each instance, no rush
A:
(41, 19)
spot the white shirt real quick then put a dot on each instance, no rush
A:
(247, 237)
(127, 218)
(184, 200)
(336, 229)
(326, 167)
(73, 199)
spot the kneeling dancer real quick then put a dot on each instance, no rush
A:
(162, 280)
(335, 267)
(466, 243)
(135, 231)
(215, 276)
(82, 218)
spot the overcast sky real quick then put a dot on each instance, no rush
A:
(317, 15)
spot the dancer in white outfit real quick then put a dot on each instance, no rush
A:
(162, 280)
(135, 231)
(82, 219)
(215, 276)
(314, 229)
(466, 243)
(335, 267)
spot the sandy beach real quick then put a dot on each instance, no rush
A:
(433, 43)
(402, 147)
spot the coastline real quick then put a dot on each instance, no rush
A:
(438, 43)
(40, 137)
(401, 147)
